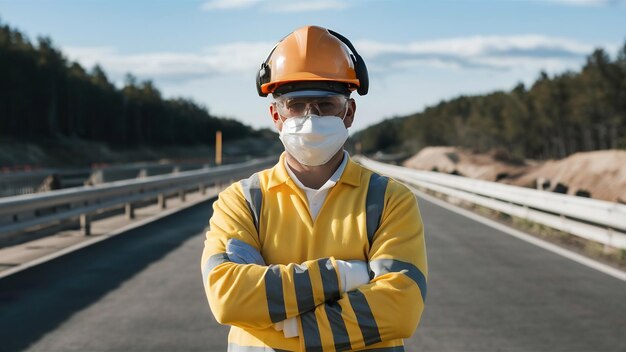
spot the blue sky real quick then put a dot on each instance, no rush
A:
(418, 52)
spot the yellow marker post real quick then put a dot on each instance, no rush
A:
(218, 148)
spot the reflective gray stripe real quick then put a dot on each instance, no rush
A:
(212, 262)
(330, 281)
(274, 293)
(374, 204)
(333, 310)
(251, 188)
(337, 326)
(304, 290)
(233, 347)
(306, 303)
(384, 266)
(311, 332)
(363, 312)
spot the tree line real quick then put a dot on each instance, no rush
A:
(46, 97)
(555, 117)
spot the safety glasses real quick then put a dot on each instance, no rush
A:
(311, 103)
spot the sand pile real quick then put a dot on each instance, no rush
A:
(601, 173)
(492, 166)
(598, 174)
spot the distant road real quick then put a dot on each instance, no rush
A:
(143, 292)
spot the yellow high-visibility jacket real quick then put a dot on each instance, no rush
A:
(270, 212)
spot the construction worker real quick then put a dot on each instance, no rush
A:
(317, 253)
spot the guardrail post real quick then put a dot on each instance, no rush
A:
(129, 209)
(162, 201)
(181, 194)
(202, 189)
(85, 224)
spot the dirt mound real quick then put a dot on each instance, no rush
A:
(493, 166)
(598, 174)
(601, 174)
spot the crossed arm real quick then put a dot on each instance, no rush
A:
(352, 274)
(313, 293)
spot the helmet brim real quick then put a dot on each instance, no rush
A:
(312, 82)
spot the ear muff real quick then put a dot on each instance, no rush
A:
(264, 75)
(359, 65)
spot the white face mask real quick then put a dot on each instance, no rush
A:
(312, 139)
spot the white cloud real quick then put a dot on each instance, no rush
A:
(242, 59)
(234, 58)
(227, 4)
(483, 52)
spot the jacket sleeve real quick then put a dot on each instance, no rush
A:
(391, 305)
(255, 296)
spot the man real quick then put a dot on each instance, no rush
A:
(317, 253)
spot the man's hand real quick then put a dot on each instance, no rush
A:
(242, 253)
(353, 273)
(289, 327)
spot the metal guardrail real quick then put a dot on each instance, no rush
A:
(597, 220)
(19, 213)
(28, 182)
(22, 182)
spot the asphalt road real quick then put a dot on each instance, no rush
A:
(142, 292)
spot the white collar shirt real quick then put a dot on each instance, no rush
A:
(316, 197)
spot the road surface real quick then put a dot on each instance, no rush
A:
(142, 291)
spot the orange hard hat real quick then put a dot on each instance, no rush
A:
(313, 54)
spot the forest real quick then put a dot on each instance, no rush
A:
(45, 97)
(556, 116)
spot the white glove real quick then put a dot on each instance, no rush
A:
(242, 253)
(289, 327)
(353, 273)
